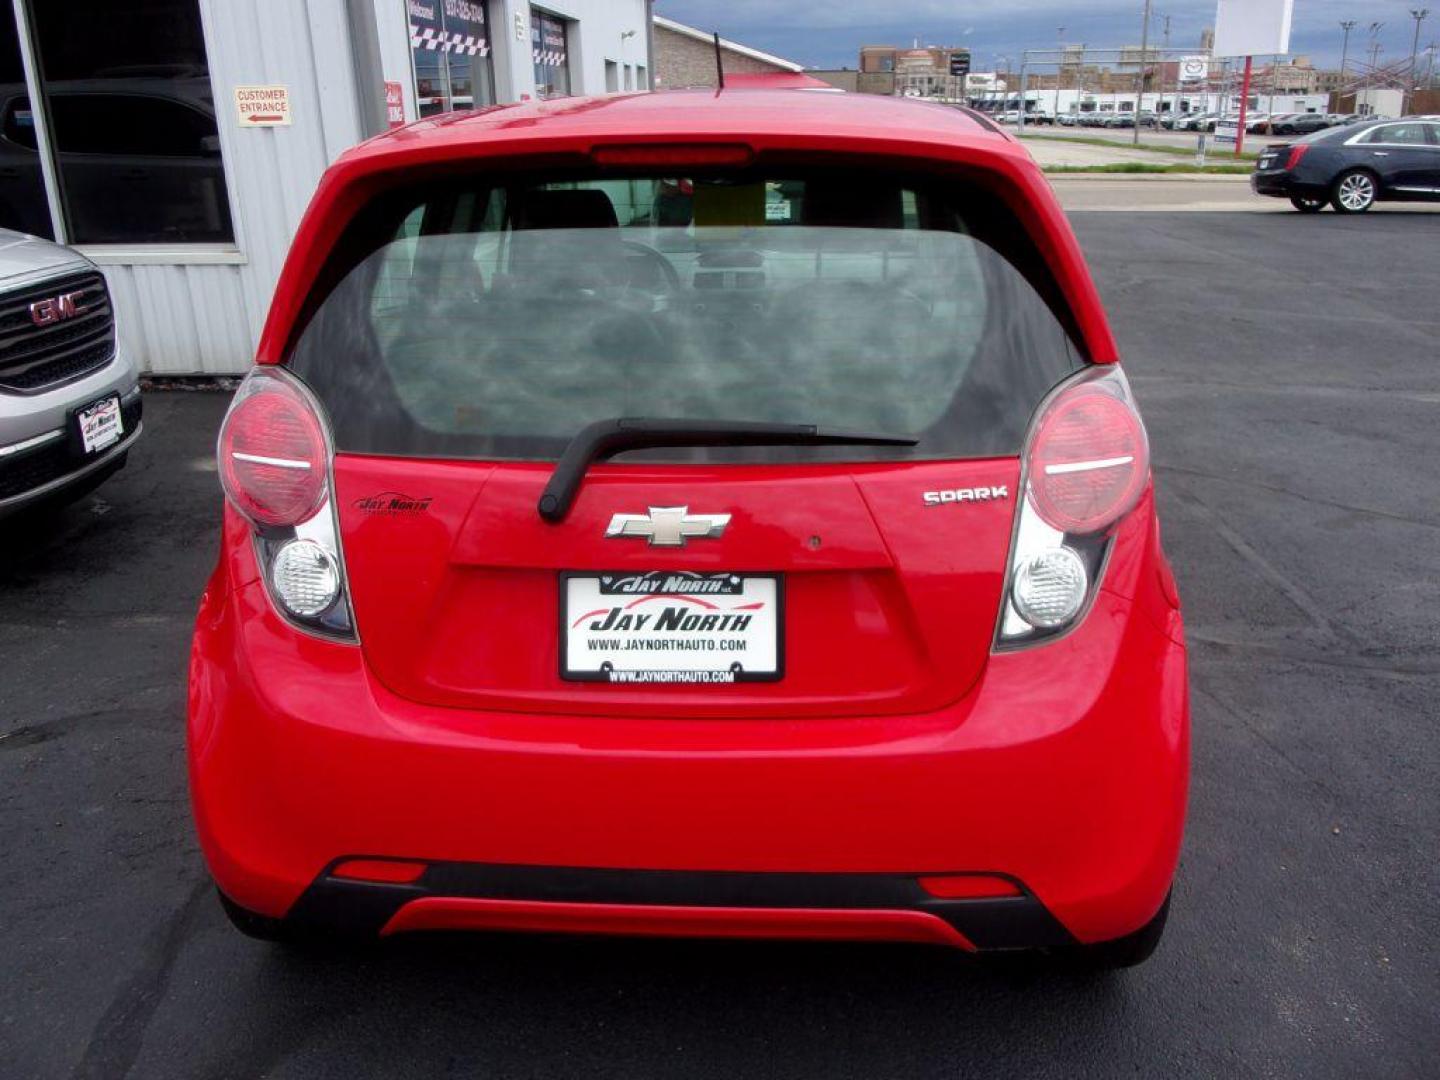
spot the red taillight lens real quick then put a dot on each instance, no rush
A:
(1296, 153)
(272, 454)
(1089, 460)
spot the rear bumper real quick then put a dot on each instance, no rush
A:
(1284, 185)
(1064, 771)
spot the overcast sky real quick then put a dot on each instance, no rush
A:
(829, 33)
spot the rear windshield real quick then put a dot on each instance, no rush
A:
(494, 319)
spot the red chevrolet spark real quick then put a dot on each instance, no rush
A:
(691, 514)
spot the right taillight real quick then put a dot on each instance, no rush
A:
(1088, 458)
(1087, 462)
(1296, 153)
(274, 460)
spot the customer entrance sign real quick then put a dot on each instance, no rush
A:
(262, 106)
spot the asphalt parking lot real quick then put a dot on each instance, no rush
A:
(1289, 369)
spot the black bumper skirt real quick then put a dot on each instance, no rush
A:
(363, 908)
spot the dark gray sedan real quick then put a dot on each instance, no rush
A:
(1352, 168)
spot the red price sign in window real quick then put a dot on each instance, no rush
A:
(395, 104)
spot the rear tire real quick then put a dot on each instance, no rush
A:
(1354, 192)
(1308, 204)
(1125, 952)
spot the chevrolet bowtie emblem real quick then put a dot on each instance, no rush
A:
(667, 526)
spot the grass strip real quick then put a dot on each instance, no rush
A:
(1133, 167)
(1158, 148)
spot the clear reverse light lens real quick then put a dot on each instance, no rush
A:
(1050, 587)
(305, 578)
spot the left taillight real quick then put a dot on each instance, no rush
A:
(273, 456)
(1087, 463)
(274, 462)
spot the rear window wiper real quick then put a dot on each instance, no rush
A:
(605, 438)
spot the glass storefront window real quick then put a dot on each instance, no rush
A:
(132, 121)
(451, 46)
(549, 50)
(22, 187)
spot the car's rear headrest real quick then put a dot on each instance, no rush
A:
(583, 209)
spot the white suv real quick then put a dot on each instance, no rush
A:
(69, 394)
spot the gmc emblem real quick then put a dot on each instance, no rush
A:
(56, 308)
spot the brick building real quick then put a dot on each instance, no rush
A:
(685, 56)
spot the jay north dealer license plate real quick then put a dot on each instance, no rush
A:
(670, 627)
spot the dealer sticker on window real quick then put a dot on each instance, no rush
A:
(673, 627)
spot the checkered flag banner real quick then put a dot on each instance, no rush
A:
(553, 57)
(425, 37)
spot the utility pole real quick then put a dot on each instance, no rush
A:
(1024, 74)
(1140, 76)
(1419, 15)
(1175, 105)
(1059, 74)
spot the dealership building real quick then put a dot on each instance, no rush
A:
(177, 142)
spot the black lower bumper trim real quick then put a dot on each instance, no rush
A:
(363, 908)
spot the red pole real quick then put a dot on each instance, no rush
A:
(1244, 105)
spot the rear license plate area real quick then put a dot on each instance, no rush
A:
(671, 627)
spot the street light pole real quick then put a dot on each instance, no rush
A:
(1347, 26)
(1140, 76)
(1419, 15)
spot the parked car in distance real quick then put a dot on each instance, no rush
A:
(1352, 167)
(69, 393)
(1302, 124)
(1267, 125)
(880, 562)
(1195, 122)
